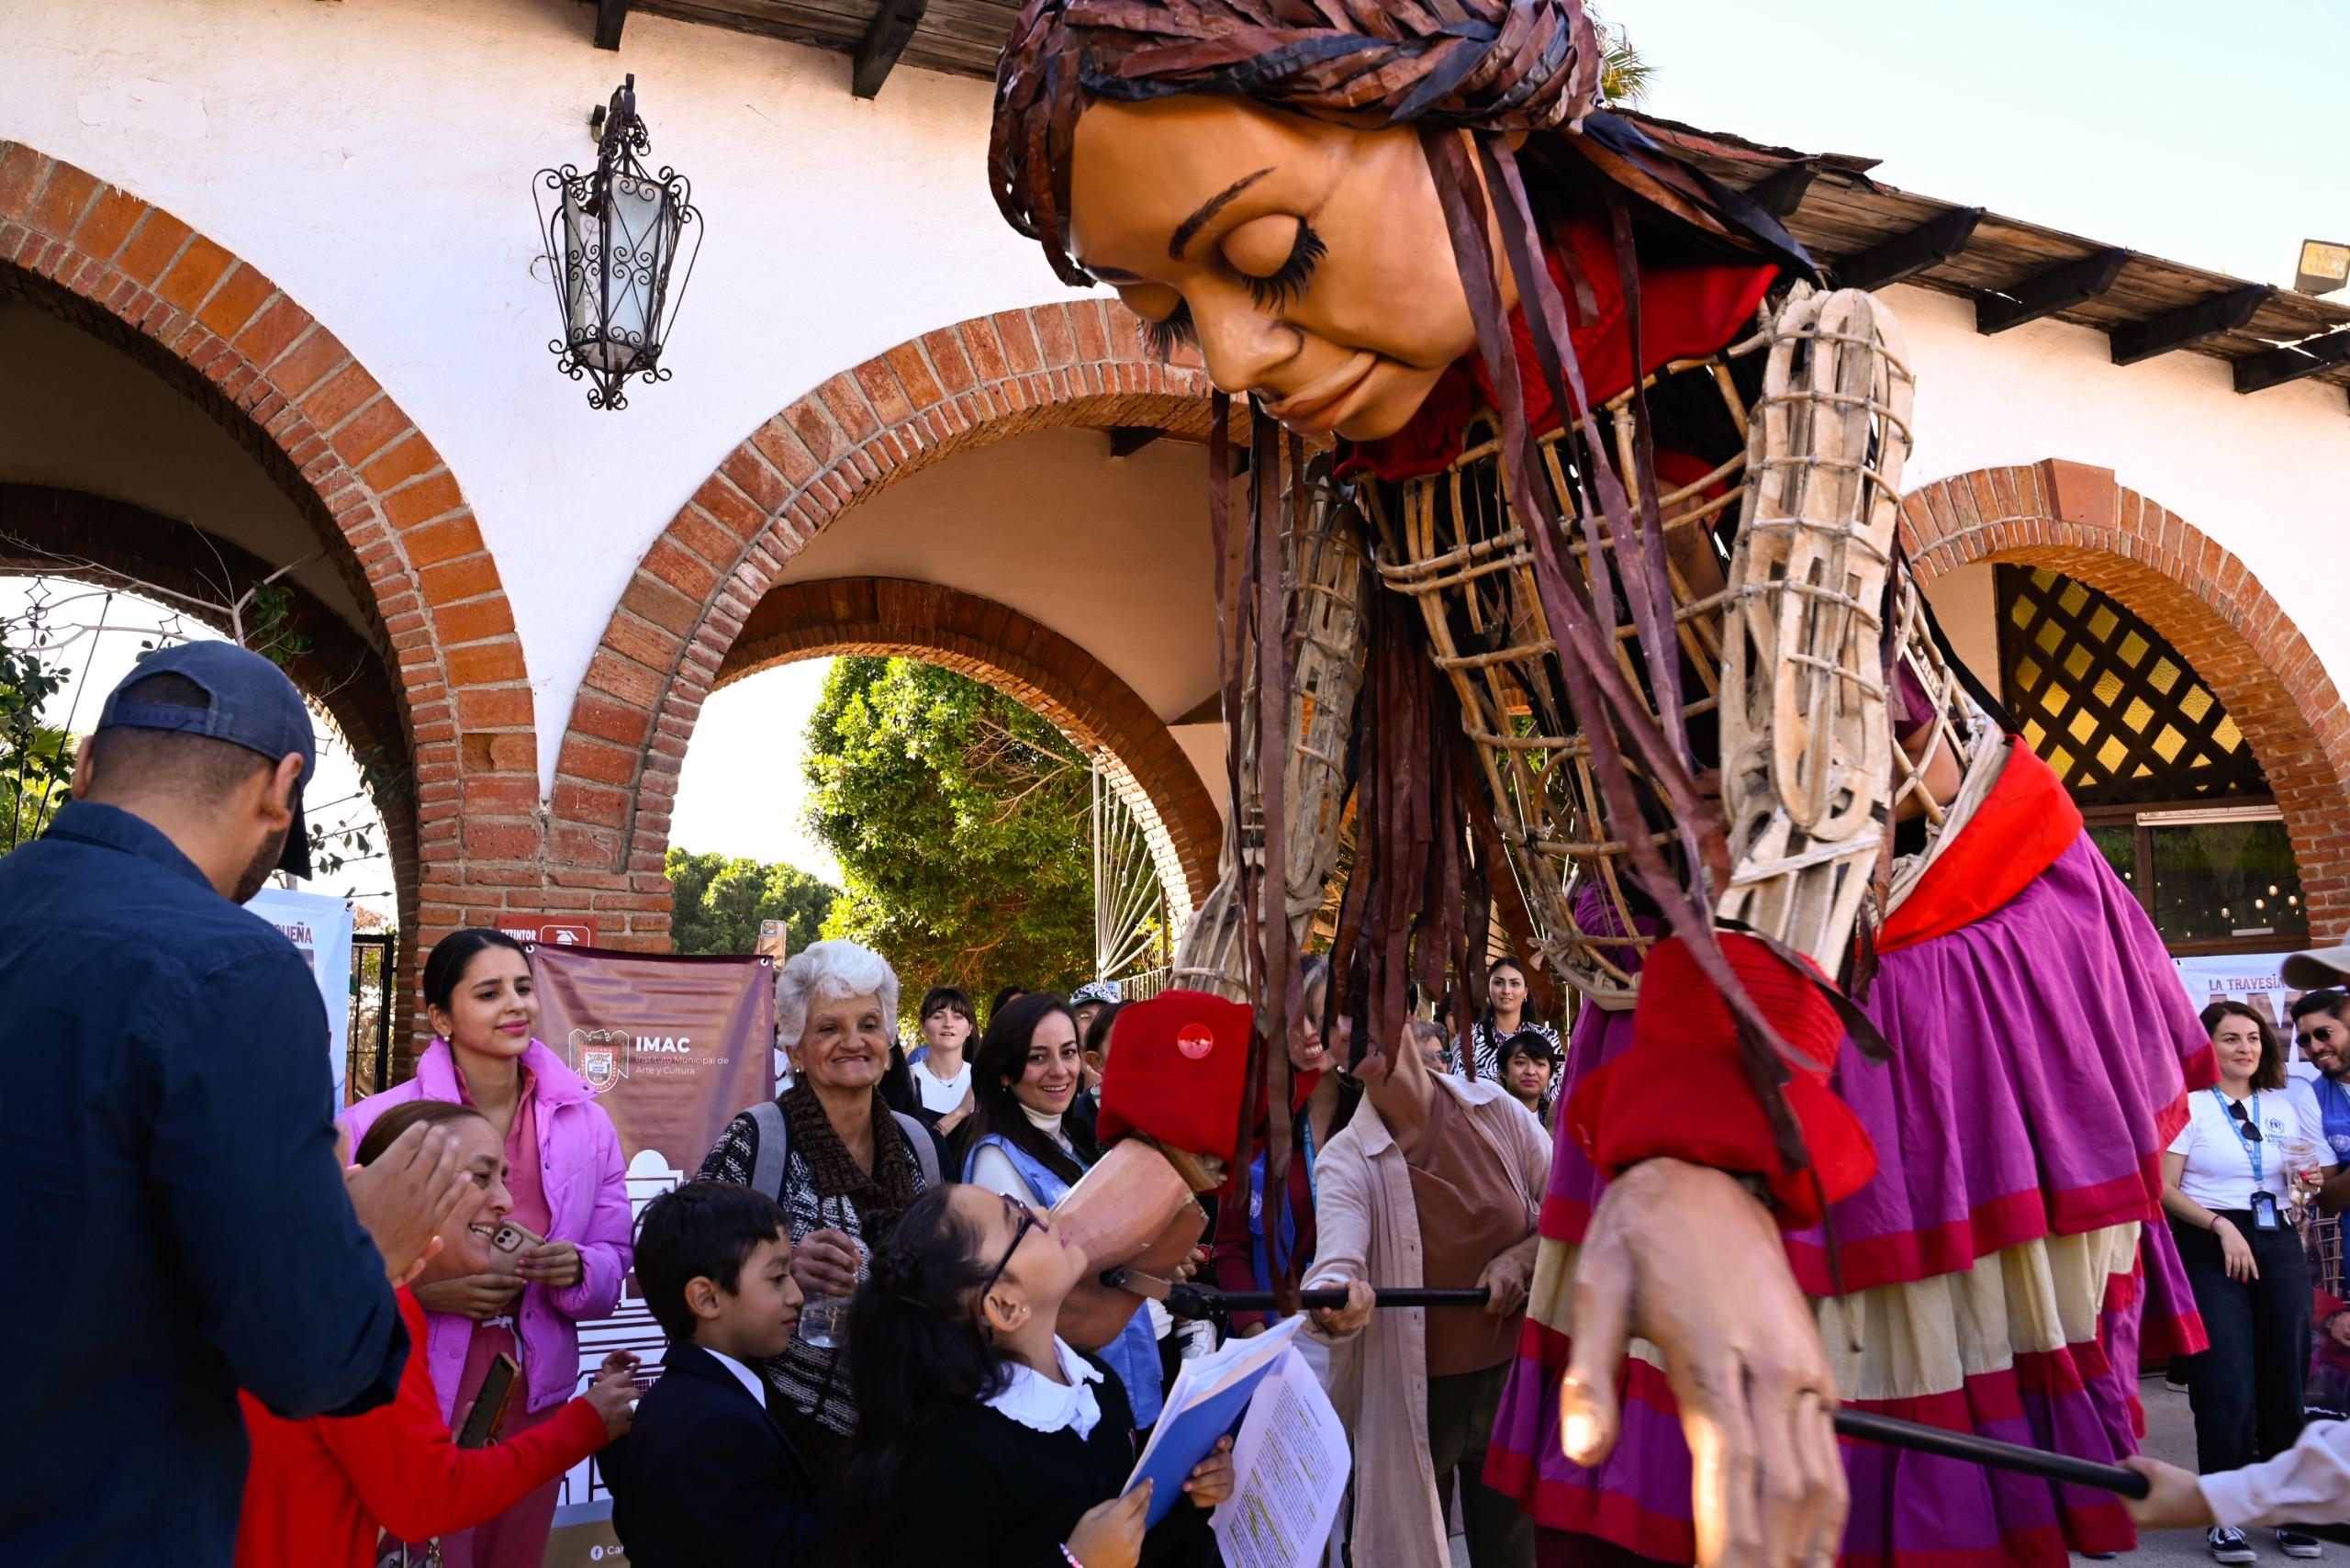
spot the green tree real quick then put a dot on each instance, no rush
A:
(718, 902)
(959, 820)
(1624, 76)
(36, 761)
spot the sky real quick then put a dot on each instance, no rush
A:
(2202, 134)
(742, 790)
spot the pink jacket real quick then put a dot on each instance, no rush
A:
(587, 1190)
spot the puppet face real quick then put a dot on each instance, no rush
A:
(1309, 261)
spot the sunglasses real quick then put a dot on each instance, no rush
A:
(1028, 1220)
(2245, 1128)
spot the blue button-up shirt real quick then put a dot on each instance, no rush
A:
(173, 1225)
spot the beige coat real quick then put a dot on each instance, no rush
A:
(1366, 1227)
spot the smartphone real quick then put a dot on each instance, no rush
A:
(496, 1388)
(508, 1245)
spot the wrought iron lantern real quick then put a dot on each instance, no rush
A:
(612, 241)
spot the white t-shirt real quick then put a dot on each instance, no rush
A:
(2218, 1172)
(940, 1095)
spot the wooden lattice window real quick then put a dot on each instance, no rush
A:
(2109, 704)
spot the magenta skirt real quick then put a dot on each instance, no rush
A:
(2005, 1270)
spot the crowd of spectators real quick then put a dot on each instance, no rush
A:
(302, 1328)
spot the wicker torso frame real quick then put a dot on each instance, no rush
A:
(1821, 754)
(1811, 778)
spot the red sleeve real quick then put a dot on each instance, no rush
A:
(1681, 1092)
(1233, 1256)
(416, 1481)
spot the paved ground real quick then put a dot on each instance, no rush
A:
(2169, 1436)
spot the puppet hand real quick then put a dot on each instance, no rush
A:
(1668, 1243)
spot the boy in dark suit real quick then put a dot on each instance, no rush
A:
(706, 1478)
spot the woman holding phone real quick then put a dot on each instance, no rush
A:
(564, 1247)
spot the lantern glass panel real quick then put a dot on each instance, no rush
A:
(615, 262)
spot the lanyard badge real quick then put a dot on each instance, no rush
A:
(2244, 1122)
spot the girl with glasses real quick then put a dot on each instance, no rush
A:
(1025, 1144)
(2249, 1154)
(982, 1437)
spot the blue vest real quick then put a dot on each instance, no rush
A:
(2333, 1101)
(1260, 1258)
(1134, 1354)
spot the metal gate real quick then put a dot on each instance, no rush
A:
(374, 960)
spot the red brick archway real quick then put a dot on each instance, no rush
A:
(371, 485)
(998, 645)
(45, 530)
(2076, 519)
(1080, 364)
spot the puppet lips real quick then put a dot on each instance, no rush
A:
(1307, 405)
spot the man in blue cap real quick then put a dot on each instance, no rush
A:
(176, 1224)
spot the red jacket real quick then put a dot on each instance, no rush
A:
(319, 1492)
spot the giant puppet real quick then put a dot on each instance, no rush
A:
(1564, 570)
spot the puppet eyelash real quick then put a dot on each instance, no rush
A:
(1289, 281)
(1162, 338)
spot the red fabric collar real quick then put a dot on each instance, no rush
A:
(1685, 311)
(2015, 834)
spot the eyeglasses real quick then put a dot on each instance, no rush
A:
(1028, 1220)
(2245, 1128)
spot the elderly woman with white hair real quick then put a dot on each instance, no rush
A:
(839, 1160)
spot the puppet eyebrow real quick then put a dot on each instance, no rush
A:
(1190, 227)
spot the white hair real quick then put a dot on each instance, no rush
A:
(830, 971)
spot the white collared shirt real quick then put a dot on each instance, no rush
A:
(753, 1383)
(1039, 1403)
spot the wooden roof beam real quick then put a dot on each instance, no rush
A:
(886, 37)
(1779, 194)
(1929, 245)
(2059, 288)
(2292, 362)
(611, 16)
(2189, 324)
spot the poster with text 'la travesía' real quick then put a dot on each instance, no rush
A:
(673, 1048)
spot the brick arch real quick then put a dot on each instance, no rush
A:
(48, 531)
(1080, 364)
(371, 485)
(2076, 519)
(1000, 647)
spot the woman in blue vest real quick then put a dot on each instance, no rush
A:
(1025, 1145)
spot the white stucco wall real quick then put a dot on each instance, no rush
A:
(2267, 475)
(377, 157)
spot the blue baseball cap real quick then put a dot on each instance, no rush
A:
(253, 705)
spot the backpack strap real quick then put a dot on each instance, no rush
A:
(774, 1150)
(775, 1147)
(925, 1148)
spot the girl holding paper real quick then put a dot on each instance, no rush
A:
(982, 1437)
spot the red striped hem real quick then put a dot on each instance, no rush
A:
(1901, 1257)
